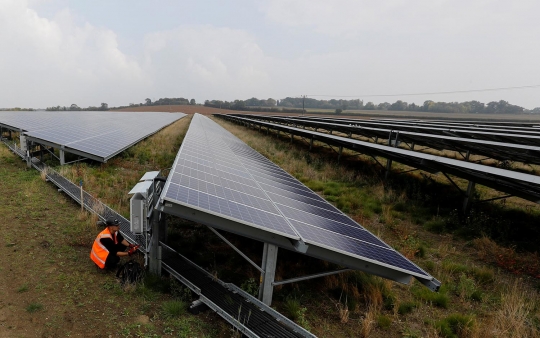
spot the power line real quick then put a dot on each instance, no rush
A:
(433, 93)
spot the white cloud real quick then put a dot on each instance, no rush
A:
(51, 62)
(350, 18)
(220, 62)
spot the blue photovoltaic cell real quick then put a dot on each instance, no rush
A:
(215, 171)
(99, 133)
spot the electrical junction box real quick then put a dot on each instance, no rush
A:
(141, 203)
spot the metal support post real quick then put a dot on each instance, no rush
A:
(155, 250)
(62, 156)
(340, 152)
(388, 168)
(311, 143)
(24, 145)
(468, 197)
(269, 262)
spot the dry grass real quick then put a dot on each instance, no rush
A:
(513, 317)
(367, 323)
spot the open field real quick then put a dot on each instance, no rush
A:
(53, 290)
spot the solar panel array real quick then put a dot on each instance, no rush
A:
(515, 183)
(102, 134)
(530, 136)
(501, 151)
(217, 173)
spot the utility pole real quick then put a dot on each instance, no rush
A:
(303, 101)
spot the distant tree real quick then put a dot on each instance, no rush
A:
(148, 102)
(383, 106)
(399, 105)
(339, 111)
(239, 104)
(369, 106)
(192, 102)
(271, 102)
(104, 106)
(74, 107)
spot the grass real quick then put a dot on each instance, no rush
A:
(455, 325)
(472, 270)
(406, 307)
(34, 307)
(174, 309)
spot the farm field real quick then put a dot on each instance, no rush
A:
(487, 290)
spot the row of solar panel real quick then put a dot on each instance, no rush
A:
(100, 135)
(216, 172)
(527, 148)
(512, 182)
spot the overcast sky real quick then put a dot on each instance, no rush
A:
(59, 52)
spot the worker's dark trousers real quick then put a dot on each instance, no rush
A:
(112, 260)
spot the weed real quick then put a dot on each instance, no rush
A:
(292, 308)
(179, 291)
(367, 322)
(437, 226)
(466, 289)
(439, 299)
(251, 287)
(384, 322)
(406, 307)
(173, 309)
(34, 307)
(455, 325)
(454, 268)
(483, 275)
(296, 312)
(511, 319)
(410, 333)
(23, 288)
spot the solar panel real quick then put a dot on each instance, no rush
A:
(217, 173)
(503, 135)
(497, 150)
(515, 183)
(99, 135)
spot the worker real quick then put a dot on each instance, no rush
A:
(110, 245)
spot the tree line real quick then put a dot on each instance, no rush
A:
(292, 104)
(74, 107)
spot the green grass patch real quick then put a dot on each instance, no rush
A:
(435, 225)
(384, 322)
(483, 275)
(173, 308)
(34, 307)
(406, 307)
(455, 325)
(454, 268)
(23, 288)
(439, 299)
(292, 309)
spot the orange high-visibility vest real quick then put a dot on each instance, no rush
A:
(99, 252)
